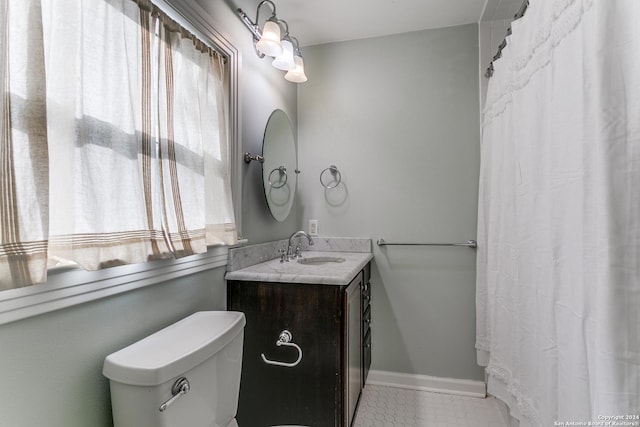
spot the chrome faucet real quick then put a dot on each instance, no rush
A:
(292, 252)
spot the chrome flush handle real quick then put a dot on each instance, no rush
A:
(179, 389)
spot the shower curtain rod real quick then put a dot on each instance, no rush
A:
(518, 15)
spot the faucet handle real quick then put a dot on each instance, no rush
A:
(284, 255)
(298, 253)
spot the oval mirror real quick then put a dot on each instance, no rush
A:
(280, 164)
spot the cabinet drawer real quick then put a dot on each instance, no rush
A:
(366, 356)
(367, 273)
(366, 295)
(366, 322)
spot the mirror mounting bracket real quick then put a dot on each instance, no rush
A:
(248, 157)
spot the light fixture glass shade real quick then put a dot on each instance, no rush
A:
(269, 43)
(297, 74)
(285, 60)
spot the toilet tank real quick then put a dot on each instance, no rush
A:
(205, 348)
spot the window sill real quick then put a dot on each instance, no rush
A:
(67, 287)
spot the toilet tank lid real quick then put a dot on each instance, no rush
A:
(175, 349)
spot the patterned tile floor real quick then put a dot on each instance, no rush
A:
(382, 406)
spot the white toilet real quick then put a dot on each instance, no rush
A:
(199, 357)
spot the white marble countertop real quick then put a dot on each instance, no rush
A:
(330, 273)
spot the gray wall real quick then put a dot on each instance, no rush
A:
(399, 117)
(51, 365)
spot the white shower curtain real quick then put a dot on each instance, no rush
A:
(558, 282)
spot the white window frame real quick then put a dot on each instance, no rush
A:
(69, 286)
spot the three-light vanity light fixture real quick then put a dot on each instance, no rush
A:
(284, 49)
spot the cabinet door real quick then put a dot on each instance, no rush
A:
(309, 393)
(353, 346)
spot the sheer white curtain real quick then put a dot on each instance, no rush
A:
(558, 282)
(220, 217)
(134, 128)
(24, 211)
(194, 168)
(102, 210)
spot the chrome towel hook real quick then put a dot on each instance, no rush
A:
(284, 339)
(337, 177)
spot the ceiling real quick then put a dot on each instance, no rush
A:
(324, 21)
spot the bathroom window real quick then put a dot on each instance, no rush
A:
(118, 135)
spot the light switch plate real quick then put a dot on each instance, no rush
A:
(313, 227)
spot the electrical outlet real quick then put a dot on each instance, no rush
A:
(313, 227)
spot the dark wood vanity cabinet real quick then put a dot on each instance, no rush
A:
(326, 321)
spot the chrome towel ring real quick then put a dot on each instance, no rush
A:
(337, 177)
(283, 171)
(284, 340)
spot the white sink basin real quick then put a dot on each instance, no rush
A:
(320, 260)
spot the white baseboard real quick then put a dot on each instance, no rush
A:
(428, 383)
